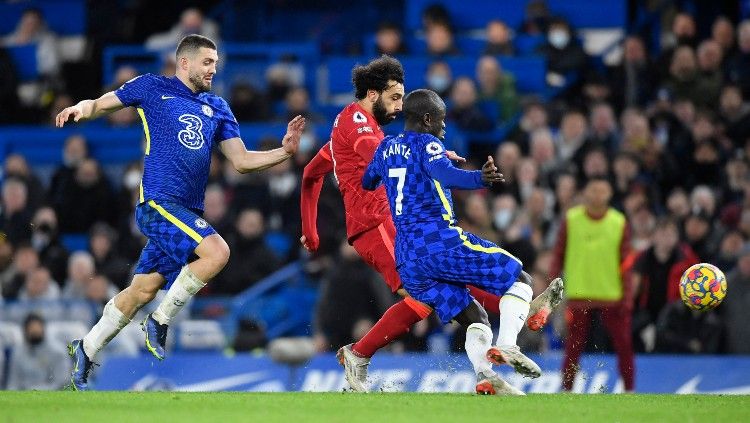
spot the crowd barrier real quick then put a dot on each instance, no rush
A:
(419, 373)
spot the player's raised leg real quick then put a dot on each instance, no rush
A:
(539, 311)
(541, 306)
(213, 254)
(116, 315)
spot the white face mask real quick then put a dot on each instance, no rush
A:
(559, 38)
(502, 218)
(438, 82)
(306, 142)
(132, 179)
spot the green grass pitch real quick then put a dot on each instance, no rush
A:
(110, 407)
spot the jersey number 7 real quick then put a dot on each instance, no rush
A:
(399, 173)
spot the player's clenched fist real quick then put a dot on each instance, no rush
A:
(311, 244)
(62, 117)
(490, 175)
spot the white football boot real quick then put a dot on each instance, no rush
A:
(355, 368)
(492, 384)
(541, 306)
(512, 355)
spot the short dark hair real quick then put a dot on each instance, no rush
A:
(419, 102)
(191, 44)
(375, 75)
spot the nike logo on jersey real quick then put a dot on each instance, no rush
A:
(166, 97)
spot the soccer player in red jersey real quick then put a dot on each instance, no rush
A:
(356, 134)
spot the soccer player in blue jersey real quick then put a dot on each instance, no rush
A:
(436, 259)
(182, 122)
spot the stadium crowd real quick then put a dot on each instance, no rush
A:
(669, 128)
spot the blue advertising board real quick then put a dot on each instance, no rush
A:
(418, 373)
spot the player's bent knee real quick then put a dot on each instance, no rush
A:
(215, 249)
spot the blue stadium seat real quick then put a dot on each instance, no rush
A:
(24, 60)
(64, 17)
(526, 45)
(75, 242)
(279, 242)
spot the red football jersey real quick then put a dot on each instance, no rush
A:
(354, 139)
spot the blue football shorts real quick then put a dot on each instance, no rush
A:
(439, 280)
(173, 232)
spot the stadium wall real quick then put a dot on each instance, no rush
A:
(419, 373)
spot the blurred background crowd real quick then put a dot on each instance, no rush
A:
(654, 99)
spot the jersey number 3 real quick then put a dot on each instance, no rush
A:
(400, 174)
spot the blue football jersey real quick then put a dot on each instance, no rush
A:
(181, 128)
(411, 165)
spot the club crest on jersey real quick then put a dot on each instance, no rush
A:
(200, 223)
(207, 110)
(358, 117)
(434, 148)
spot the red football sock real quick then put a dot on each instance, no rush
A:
(395, 322)
(490, 302)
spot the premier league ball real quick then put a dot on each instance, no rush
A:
(703, 286)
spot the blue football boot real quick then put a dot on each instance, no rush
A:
(82, 366)
(156, 336)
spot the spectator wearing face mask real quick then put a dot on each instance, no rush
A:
(86, 199)
(563, 53)
(37, 364)
(46, 241)
(439, 78)
(512, 226)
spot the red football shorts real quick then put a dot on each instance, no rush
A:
(376, 247)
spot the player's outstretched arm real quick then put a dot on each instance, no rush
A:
(90, 109)
(248, 161)
(312, 182)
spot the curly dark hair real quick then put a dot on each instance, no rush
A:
(375, 75)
